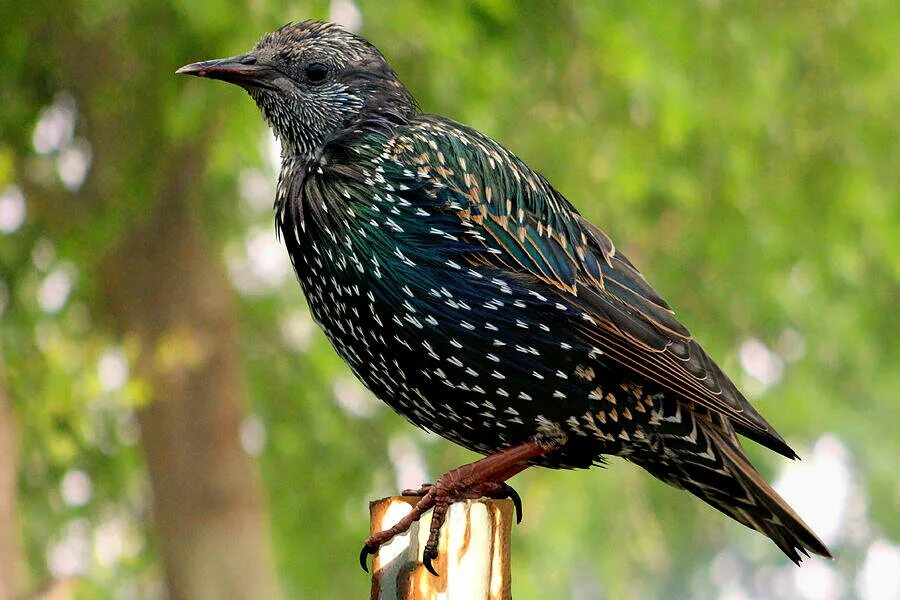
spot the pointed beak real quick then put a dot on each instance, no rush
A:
(243, 70)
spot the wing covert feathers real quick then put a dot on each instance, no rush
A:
(526, 226)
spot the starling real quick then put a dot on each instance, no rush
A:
(469, 295)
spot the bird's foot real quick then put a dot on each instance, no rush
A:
(439, 496)
(484, 478)
(495, 490)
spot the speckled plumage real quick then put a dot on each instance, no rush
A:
(471, 297)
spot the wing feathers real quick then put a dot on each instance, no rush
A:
(527, 226)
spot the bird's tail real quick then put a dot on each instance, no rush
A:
(714, 468)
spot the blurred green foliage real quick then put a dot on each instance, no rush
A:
(744, 155)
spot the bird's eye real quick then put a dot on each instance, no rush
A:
(316, 72)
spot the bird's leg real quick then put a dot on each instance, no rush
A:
(485, 477)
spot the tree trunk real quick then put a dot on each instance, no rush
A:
(10, 550)
(162, 288)
(169, 290)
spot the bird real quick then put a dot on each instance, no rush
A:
(474, 299)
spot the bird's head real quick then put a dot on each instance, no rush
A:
(314, 82)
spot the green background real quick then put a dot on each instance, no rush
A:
(745, 156)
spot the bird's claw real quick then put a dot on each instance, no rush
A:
(504, 490)
(427, 556)
(364, 554)
(513, 495)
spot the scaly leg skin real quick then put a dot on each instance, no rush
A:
(483, 478)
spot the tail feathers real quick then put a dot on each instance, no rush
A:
(722, 476)
(761, 508)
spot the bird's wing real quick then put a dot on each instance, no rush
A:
(527, 227)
